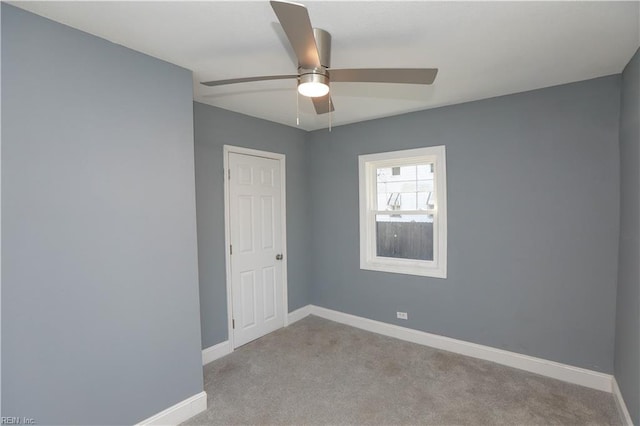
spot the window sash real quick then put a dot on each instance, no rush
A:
(368, 211)
(398, 261)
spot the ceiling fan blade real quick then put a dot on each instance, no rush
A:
(323, 104)
(295, 21)
(247, 79)
(385, 75)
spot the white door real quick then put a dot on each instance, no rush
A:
(255, 220)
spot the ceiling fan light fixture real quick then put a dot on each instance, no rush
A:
(313, 89)
(312, 48)
(313, 85)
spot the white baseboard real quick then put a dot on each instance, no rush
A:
(216, 351)
(298, 314)
(620, 404)
(556, 370)
(180, 412)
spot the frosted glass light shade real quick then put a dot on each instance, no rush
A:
(313, 85)
(313, 89)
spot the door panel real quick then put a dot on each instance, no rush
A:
(248, 298)
(269, 292)
(255, 220)
(267, 222)
(245, 224)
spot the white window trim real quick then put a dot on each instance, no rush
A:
(367, 165)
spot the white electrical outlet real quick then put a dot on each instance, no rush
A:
(402, 315)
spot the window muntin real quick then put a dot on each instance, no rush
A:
(403, 212)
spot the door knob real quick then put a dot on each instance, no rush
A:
(279, 256)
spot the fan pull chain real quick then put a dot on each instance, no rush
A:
(297, 108)
(330, 113)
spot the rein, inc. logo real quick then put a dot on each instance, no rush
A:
(16, 420)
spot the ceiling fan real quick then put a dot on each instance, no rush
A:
(312, 47)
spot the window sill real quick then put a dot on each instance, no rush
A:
(423, 271)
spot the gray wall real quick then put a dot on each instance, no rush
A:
(215, 127)
(0, 220)
(627, 349)
(533, 183)
(99, 280)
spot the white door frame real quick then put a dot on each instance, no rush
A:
(227, 149)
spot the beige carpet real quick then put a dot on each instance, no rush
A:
(321, 372)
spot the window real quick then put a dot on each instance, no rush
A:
(403, 212)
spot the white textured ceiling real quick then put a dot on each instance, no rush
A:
(482, 49)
